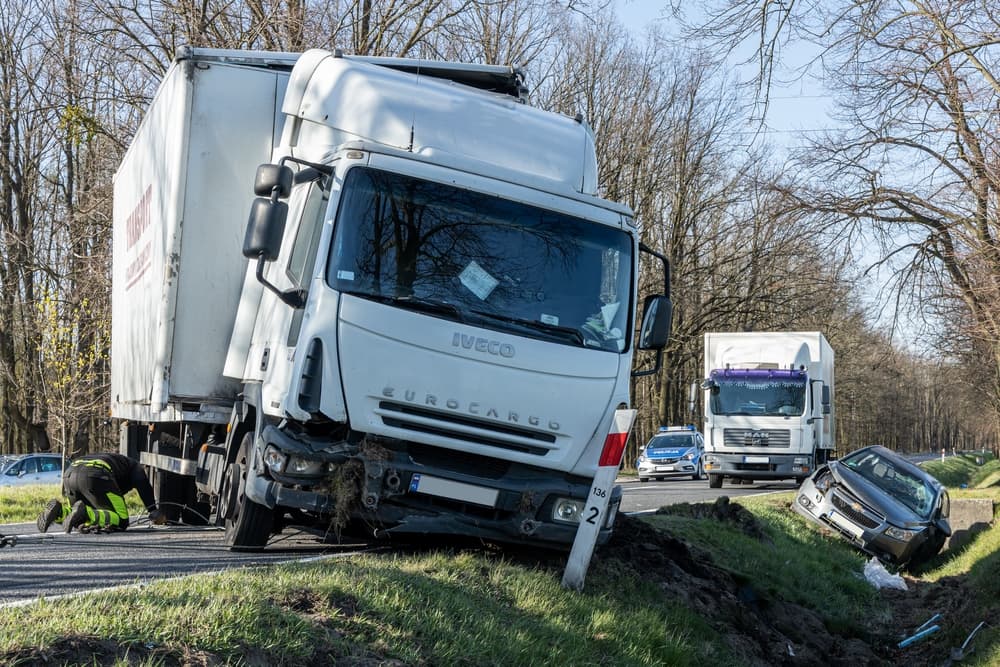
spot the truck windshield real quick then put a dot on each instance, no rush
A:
(482, 260)
(773, 393)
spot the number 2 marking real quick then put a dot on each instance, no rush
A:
(594, 513)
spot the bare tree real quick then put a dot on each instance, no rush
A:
(917, 166)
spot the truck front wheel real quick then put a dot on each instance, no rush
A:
(714, 480)
(248, 524)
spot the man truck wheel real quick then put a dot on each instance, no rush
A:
(714, 481)
(248, 524)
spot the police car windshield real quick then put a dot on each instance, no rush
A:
(673, 440)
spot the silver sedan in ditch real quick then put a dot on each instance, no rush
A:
(881, 503)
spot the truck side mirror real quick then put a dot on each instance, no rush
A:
(273, 179)
(657, 317)
(265, 229)
(826, 399)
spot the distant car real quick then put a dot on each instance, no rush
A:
(674, 450)
(881, 503)
(32, 469)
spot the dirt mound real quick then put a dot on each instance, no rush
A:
(85, 650)
(720, 510)
(759, 629)
(960, 612)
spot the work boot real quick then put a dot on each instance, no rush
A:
(52, 513)
(77, 517)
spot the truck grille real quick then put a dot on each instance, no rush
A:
(856, 511)
(756, 437)
(467, 429)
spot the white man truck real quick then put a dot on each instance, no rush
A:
(425, 326)
(768, 405)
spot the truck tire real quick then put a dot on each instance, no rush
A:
(177, 497)
(248, 524)
(714, 481)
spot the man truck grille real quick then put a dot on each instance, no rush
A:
(467, 429)
(756, 437)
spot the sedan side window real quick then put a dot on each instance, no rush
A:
(14, 470)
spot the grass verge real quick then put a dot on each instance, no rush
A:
(22, 504)
(438, 608)
(478, 607)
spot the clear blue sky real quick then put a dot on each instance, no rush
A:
(796, 109)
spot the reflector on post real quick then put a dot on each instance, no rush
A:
(596, 506)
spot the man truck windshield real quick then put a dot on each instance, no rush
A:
(769, 392)
(481, 260)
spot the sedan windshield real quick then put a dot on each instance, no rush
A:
(909, 489)
(777, 393)
(482, 260)
(683, 441)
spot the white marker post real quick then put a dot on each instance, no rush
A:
(596, 507)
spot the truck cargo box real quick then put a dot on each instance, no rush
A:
(181, 198)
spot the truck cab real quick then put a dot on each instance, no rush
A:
(768, 405)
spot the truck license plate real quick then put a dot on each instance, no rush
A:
(756, 459)
(446, 488)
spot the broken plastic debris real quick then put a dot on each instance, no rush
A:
(879, 577)
(918, 636)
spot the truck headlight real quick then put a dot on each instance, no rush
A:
(567, 510)
(902, 534)
(300, 466)
(274, 459)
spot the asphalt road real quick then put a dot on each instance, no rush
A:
(54, 564)
(649, 496)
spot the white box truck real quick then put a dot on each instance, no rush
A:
(768, 405)
(425, 326)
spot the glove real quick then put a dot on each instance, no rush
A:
(157, 517)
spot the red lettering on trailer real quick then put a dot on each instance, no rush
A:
(138, 220)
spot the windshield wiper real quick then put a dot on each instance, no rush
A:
(415, 303)
(565, 333)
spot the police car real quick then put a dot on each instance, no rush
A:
(674, 450)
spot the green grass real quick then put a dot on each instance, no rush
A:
(956, 471)
(21, 504)
(440, 609)
(787, 561)
(469, 608)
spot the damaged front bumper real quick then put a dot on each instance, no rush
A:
(403, 488)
